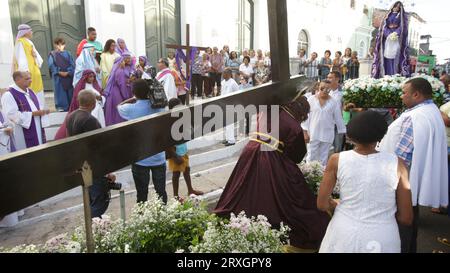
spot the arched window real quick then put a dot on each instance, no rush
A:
(362, 51)
(303, 41)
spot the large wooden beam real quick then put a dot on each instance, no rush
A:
(34, 175)
(279, 41)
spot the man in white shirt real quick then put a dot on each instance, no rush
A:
(22, 107)
(325, 114)
(229, 86)
(336, 93)
(418, 137)
(166, 79)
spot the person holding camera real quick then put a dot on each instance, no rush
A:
(138, 107)
(82, 121)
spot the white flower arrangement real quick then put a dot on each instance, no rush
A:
(29, 249)
(313, 173)
(174, 228)
(242, 235)
(367, 92)
(393, 36)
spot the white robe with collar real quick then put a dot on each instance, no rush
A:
(429, 170)
(322, 120)
(169, 84)
(21, 120)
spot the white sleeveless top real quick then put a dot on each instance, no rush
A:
(368, 186)
(364, 221)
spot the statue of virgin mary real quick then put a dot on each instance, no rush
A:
(392, 50)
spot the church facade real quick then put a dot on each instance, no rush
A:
(148, 25)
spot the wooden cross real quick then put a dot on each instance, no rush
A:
(188, 49)
(133, 140)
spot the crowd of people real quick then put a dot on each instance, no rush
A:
(346, 64)
(383, 179)
(116, 79)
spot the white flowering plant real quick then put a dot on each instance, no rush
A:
(174, 228)
(28, 249)
(153, 227)
(242, 234)
(367, 92)
(313, 173)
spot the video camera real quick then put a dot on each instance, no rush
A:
(114, 186)
(157, 95)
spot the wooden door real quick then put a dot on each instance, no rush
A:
(68, 22)
(50, 19)
(34, 14)
(162, 26)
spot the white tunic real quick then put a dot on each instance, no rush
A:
(98, 112)
(429, 170)
(169, 84)
(338, 96)
(322, 120)
(229, 87)
(364, 220)
(5, 147)
(21, 120)
(5, 142)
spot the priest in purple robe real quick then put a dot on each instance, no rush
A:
(118, 88)
(392, 51)
(22, 108)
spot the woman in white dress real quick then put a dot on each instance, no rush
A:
(374, 190)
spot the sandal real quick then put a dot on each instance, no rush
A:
(179, 199)
(444, 241)
(440, 211)
(196, 193)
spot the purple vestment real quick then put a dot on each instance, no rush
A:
(117, 90)
(30, 134)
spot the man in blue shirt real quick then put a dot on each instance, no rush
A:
(135, 108)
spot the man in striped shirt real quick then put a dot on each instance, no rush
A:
(312, 71)
(418, 137)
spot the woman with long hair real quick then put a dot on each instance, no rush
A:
(108, 57)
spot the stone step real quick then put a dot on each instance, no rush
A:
(201, 159)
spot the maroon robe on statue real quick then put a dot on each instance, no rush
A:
(270, 183)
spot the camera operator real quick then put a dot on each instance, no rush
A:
(79, 122)
(138, 107)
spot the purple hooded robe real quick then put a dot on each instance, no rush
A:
(117, 90)
(383, 66)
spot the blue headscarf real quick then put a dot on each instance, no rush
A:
(86, 61)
